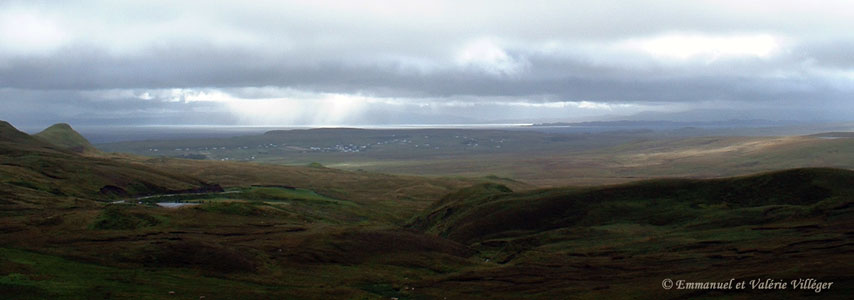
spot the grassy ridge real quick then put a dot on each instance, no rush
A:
(488, 210)
(63, 136)
(621, 241)
(35, 173)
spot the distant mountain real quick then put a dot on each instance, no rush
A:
(65, 137)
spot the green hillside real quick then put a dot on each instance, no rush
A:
(65, 137)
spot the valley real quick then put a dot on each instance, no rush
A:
(537, 158)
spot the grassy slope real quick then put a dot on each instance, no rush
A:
(786, 224)
(63, 136)
(652, 202)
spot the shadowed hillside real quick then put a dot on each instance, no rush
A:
(616, 241)
(487, 210)
(10, 134)
(34, 172)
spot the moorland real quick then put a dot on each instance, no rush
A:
(422, 214)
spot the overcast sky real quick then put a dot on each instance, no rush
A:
(402, 62)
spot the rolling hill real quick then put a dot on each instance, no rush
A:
(622, 240)
(65, 137)
(10, 134)
(318, 233)
(35, 172)
(490, 210)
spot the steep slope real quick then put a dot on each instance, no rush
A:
(65, 137)
(34, 173)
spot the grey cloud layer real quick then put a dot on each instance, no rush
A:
(568, 79)
(536, 52)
